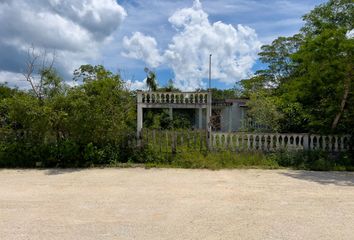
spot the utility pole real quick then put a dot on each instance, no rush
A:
(210, 71)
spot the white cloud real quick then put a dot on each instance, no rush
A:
(144, 47)
(186, 17)
(234, 49)
(99, 17)
(136, 85)
(76, 29)
(13, 79)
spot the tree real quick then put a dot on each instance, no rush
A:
(263, 111)
(333, 14)
(326, 29)
(6, 91)
(222, 94)
(278, 58)
(101, 106)
(150, 79)
(39, 64)
(324, 76)
(280, 66)
(311, 73)
(254, 84)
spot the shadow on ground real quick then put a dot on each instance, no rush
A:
(58, 171)
(325, 178)
(47, 171)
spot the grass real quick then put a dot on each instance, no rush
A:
(212, 160)
(183, 149)
(304, 160)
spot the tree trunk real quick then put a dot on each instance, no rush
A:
(344, 101)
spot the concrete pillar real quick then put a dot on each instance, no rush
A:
(306, 142)
(208, 117)
(200, 118)
(170, 113)
(208, 112)
(139, 124)
(230, 118)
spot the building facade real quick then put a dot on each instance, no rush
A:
(229, 115)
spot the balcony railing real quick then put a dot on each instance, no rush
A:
(174, 97)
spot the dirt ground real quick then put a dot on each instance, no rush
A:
(175, 204)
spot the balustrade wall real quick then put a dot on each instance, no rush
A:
(266, 142)
(174, 97)
(273, 142)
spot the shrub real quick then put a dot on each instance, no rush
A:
(313, 160)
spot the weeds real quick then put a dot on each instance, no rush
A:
(71, 154)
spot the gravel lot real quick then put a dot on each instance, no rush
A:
(175, 204)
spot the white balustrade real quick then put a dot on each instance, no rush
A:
(272, 142)
(174, 97)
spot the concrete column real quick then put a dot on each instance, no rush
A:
(306, 142)
(200, 118)
(171, 113)
(208, 117)
(208, 112)
(140, 121)
(139, 124)
(230, 118)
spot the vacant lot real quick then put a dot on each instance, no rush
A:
(175, 204)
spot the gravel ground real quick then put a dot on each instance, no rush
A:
(175, 204)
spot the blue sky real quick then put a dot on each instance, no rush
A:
(167, 36)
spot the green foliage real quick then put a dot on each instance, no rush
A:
(323, 76)
(307, 86)
(222, 94)
(294, 119)
(157, 119)
(313, 160)
(52, 83)
(160, 119)
(304, 160)
(6, 91)
(253, 85)
(25, 112)
(263, 110)
(70, 126)
(222, 160)
(101, 106)
(310, 75)
(278, 57)
(151, 79)
(333, 14)
(211, 160)
(169, 87)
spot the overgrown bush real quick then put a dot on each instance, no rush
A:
(313, 160)
(205, 159)
(62, 126)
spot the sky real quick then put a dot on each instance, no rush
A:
(174, 38)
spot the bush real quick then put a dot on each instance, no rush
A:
(313, 160)
(213, 160)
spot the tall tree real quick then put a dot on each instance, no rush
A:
(324, 77)
(278, 58)
(312, 72)
(150, 79)
(39, 64)
(333, 14)
(101, 105)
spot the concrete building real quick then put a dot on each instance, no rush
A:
(228, 115)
